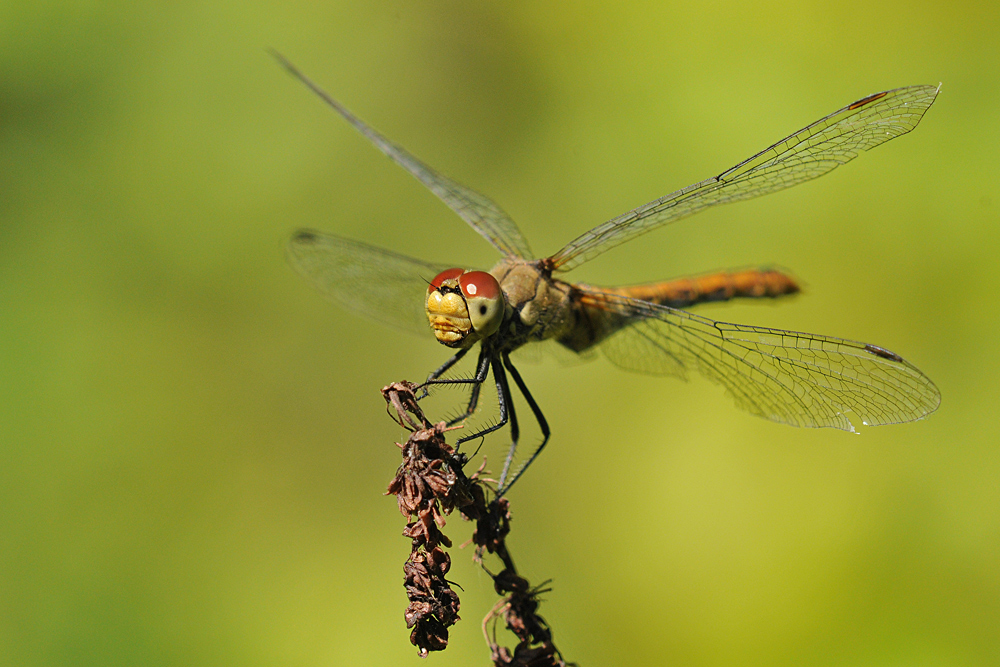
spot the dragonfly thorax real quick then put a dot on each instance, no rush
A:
(464, 307)
(540, 306)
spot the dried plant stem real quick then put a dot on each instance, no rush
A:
(429, 485)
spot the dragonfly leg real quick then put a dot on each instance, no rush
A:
(503, 393)
(471, 408)
(441, 370)
(486, 358)
(542, 424)
(503, 398)
(482, 370)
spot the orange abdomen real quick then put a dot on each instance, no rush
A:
(596, 318)
(723, 286)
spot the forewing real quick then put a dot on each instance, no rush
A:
(479, 211)
(806, 154)
(370, 281)
(790, 377)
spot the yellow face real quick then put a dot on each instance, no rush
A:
(464, 307)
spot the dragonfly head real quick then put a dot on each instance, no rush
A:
(464, 307)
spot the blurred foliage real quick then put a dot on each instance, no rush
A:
(194, 446)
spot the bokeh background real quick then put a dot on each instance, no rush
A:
(193, 443)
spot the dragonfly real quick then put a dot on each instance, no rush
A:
(795, 378)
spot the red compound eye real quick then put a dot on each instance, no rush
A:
(447, 274)
(479, 284)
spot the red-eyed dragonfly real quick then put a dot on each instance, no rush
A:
(789, 377)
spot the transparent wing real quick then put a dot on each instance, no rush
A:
(538, 352)
(810, 152)
(785, 376)
(376, 283)
(479, 211)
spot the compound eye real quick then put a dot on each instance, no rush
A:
(479, 284)
(485, 300)
(439, 279)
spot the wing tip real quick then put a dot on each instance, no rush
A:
(304, 237)
(302, 244)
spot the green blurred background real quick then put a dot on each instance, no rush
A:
(194, 446)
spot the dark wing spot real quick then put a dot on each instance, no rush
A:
(882, 352)
(482, 310)
(867, 100)
(305, 237)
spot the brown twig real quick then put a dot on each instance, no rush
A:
(429, 485)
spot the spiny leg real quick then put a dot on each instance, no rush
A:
(471, 408)
(539, 417)
(503, 398)
(503, 391)
(487, 358)
(473, 398)
(443, 368)
(482, 370)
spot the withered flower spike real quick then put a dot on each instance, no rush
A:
(430, 484)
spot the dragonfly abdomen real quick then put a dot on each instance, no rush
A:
(722, 286)
(597, 317)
